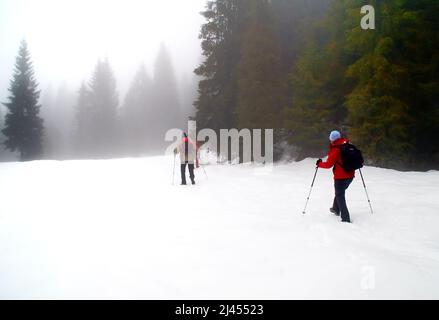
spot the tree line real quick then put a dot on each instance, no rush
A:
(302, 67)
(306, 67)
(93, 123)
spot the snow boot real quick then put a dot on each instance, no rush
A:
(193, 181)
(334, 211)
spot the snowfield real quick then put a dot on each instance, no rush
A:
(113, 229)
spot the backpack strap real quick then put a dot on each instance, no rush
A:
(338, 162)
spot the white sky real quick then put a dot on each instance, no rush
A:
(66, 37)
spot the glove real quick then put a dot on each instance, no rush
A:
(319, 162)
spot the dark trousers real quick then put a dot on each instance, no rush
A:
(183, 172)
(340, 201)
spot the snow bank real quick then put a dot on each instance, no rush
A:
(120, 229)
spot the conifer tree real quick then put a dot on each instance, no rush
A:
(393, 105)
(379, 87)
(104, 101)
(23, 125)
(221, 36)
(165, 113)
(378, 114)
(261, 86)
(2, 150)
(137, 113)
(318, 86)
(83, 125)
(421, 54)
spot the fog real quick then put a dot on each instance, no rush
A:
(67, 38)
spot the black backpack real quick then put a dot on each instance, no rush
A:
(351, 156)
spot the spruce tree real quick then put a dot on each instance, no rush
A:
(421, 55)
(104, 101)
(318, 85)
(166, 113)
(136, 113)
(1, 134)
(221, 38)
(292, 19)
(379, 87)
(1, 123)
(83, 125)
(378, 106)
(393, 106)
(23, 125)
(261, 83)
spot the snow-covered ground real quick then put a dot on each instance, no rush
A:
(120, 229)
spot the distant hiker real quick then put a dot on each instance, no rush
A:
(187, 150)
(342, 178)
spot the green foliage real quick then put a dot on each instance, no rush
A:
(318, 87)
(261, 87)
(390, 106)
(379, 87)
(221, 36)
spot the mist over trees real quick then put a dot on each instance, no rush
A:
(57, 113)
(98, 117)
(137, 126)
(305, 67)
(165, 112)
(136, 112)
(249, 49)
(91, 122)
(105, 128)
(260, 85)
(302, 67)
(2, 147)
(82, 122)
(188, 94)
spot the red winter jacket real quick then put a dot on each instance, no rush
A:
(334, 160)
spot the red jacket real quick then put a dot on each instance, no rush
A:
(334, 160)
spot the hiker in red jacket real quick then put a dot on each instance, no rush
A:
(342, 178)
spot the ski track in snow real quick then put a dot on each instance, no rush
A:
(110, 229)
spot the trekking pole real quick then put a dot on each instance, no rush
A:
(367, 194)
(309, 194)
(202, 167)
(173, 171)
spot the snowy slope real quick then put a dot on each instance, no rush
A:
(119, 229)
